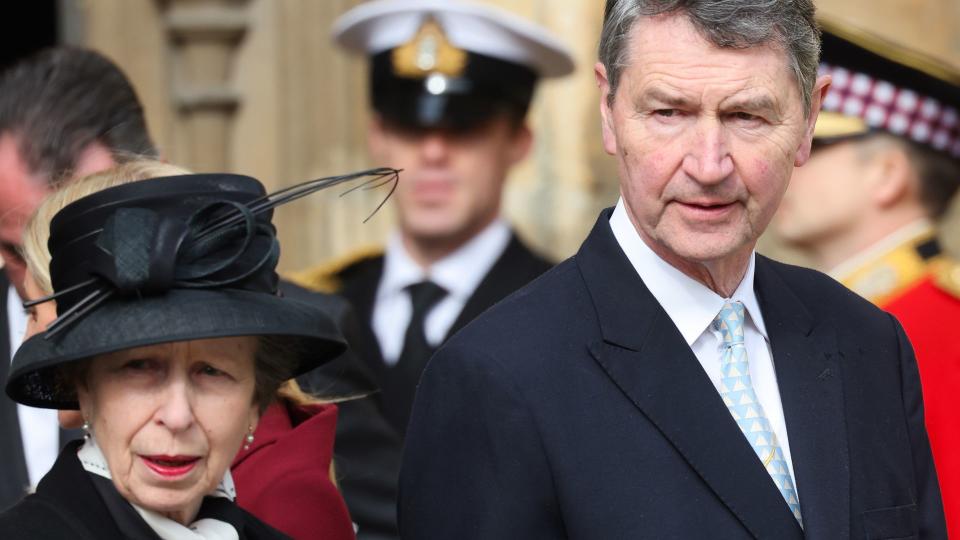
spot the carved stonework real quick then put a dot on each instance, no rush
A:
(204, 37)
(257, 87)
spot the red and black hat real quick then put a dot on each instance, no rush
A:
(882, 86)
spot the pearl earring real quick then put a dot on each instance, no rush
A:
(86, 430)
(248, 439)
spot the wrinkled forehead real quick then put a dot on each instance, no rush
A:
(671, 47)
(677, 32)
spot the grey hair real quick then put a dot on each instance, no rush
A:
(735, 24)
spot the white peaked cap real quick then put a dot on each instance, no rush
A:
(380, 25)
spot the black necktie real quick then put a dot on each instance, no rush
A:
(401, 384)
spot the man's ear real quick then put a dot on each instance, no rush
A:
(606, 114)
(893, 177)
(820, 89)
(522, 144)
(95, 157)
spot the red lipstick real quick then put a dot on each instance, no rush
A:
(170, 466)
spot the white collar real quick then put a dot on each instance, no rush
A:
(16, 320)
(690, 304)
(94, 462)
(459, 272)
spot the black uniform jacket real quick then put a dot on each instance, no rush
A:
(367, 450)
(67, 504)
(575, 409)
(517, 266)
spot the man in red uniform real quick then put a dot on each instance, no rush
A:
(866, 208)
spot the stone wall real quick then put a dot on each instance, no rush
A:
(255, 86)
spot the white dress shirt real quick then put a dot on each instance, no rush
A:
(692, 307)
(39, 428)
(459, 273)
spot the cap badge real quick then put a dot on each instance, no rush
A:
(428, 52)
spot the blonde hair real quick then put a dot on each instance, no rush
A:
(37, 231)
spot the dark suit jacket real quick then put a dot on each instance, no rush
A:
(575, 409)
(516, 267)
(14, 479)
(67, 504)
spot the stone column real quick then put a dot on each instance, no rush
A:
(204, 36)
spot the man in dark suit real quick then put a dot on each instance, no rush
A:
(63, 112)
(450, 85)
(667, 381)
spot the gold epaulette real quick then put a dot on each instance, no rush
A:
(881, 275)
(946, 275)
(886, 277)
(324, 277)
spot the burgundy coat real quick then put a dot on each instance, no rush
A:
(284, 477)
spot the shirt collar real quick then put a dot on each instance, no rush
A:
(16, 319)
(459, 272)
(689, 304)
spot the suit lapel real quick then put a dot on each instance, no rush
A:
(647, 358)
(806, 358)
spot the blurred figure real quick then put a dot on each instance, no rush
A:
(867, 207)
(450, 85)
(63, 112)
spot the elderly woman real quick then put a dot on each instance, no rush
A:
(171, 341)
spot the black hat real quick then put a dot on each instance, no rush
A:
(163, 260)
(882, 86)
(448, 63)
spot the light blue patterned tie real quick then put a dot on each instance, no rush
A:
(736, 389)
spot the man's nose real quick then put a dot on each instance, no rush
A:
(435, 146)
(708, 159)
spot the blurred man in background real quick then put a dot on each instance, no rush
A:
(867, 208)
(450, 86)
(64, 112)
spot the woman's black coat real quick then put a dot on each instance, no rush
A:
(68, 505)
